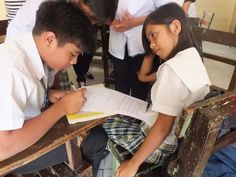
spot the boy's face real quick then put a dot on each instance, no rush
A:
(64, 56)
(58, 56)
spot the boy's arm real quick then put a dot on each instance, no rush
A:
(33, 129)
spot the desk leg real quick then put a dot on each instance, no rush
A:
(74, 154)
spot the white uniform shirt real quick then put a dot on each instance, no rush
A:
(181, 81)
(132, 37)
(24, 20)
(22, 92)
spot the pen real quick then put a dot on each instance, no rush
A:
(72, 85)
(148, 105)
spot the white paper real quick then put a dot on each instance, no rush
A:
(108, 101)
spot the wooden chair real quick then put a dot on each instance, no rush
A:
(106, 57)
(199, 141)
(60, 133)
(3, 29)
(206, 20)
(226, 39)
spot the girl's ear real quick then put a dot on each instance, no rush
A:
(175, 27)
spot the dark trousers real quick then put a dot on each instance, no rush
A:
(93, 148)
(82, 66)
(126, 76)
(222, 163)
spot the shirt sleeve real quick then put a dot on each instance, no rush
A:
(171, 93)
(13, 99)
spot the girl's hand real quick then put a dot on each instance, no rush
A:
(127, 169)
(73, 101)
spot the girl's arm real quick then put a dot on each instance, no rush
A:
(145, 74)
(154, 139)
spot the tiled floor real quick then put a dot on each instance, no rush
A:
(219, 73)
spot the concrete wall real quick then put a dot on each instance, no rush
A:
(225, 15)
(2, 10)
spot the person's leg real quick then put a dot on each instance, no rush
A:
(222, 163)
(121, 75)
(138, 89)
(54, 157)
(94, 146)
(82, 66)
(129, 133)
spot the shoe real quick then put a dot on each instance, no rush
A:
(89, 75)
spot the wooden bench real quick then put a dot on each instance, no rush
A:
(199, 141)
(3, 29)
(60, 133)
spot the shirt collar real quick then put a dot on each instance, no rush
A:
(27, 42)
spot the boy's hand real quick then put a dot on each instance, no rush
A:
(73, 101)
(56, 95)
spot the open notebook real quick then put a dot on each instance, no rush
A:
(102, 102)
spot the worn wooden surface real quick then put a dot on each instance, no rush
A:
(200, 137)
(58, 135)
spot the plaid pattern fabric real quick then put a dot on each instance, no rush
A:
(64, 81)
(129, 133)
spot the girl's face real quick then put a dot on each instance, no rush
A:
(162, 39)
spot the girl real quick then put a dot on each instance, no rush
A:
(180, 81)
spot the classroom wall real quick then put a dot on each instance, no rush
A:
(2, 10)
(225, 15)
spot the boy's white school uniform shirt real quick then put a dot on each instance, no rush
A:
(24, 78)
(181, 81)
(132, 37)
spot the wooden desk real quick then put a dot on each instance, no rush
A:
(59, 134)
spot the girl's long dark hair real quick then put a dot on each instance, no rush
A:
(164, 15)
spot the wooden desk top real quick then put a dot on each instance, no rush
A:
(60, 133)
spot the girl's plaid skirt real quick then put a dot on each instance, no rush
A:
(129, 133)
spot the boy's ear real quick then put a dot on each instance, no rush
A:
(175, 27)
(49, 38)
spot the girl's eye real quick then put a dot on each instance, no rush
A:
(154, 35)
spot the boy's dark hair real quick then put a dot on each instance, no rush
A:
(105, 10)
(164, 15)
(69, 24)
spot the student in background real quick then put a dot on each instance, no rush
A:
(165, 33)
(125, 44)
(60, 34)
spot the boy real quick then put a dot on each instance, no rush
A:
(60, 34)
